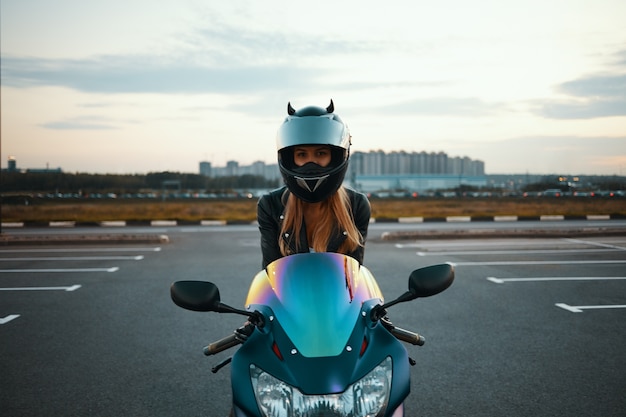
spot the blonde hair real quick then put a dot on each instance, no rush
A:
(336, 214)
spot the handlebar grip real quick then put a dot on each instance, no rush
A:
(222, 344)
(408, 336)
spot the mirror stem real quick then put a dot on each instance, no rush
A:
(225, 308)
(377, 313)
(407, 296)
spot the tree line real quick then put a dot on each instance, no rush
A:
(60, 182)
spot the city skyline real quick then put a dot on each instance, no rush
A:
(363, 163)
(380, 173)
(528, 86)
(367, 163)
(270, 170)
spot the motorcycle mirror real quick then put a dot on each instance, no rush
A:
(430, 280)
(196, 295)
(423, 282)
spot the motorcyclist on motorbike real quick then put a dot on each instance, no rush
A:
(313, 211)
(317, 341)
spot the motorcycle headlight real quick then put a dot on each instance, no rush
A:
(368, 397)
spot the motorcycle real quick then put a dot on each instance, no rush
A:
(317, 341)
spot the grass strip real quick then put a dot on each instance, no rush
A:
(245, 209)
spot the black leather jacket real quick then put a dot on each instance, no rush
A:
(270, 214)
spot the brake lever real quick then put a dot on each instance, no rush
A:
(222, 364)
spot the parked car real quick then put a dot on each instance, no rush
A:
(553, 192)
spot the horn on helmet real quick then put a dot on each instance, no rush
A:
(290, 110)
(331, 107)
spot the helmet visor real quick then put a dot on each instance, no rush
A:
(321, 130)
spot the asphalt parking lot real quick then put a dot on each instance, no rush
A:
(530, 326)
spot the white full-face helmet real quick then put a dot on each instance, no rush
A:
(313, 126)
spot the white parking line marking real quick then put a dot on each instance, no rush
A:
(538, 263)
(8, 318)
(68, 289)
(112, 269)
(604, 245)
(580, 309)
(503, 280)
(76, 250)
(481, 243)
(515, 252)
(77, 258)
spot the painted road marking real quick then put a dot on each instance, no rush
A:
(604, 245)
(482, 243)
(112, 269)
(538, 263)
(69, 289)
(580, 309)
(5, 320)
(503, 280)
(75, 250)
(515, 252)
(77, 258)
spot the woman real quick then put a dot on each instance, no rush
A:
(313, 212)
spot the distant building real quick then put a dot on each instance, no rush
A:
(12, 167)
(415, 183)
(205, 169)
(414, 172)
(12, 164)
(403, 163)
(377, 170)
(44, 170)
(232, 168)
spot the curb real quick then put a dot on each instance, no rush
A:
(408, 220)
(502, 234)
(6, 240)
(460, 219)
(70, 239)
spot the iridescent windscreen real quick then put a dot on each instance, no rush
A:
(316, 298)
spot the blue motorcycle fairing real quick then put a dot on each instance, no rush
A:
(313, 294)
(316, 308)
(322, 375)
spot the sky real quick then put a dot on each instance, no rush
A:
(138, 86)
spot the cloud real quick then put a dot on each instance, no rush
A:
(143, 75)
(587, 109)
(445, 106)
(602, 86)
(80, 123)
(594, 96)
(219, 59)
(620, 58)
(237, 46)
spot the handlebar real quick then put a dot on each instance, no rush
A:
(401, 334)
(222, 344)
(239, 336)
(408, 336)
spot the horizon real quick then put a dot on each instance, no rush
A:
(51, 169)
(522, 86)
